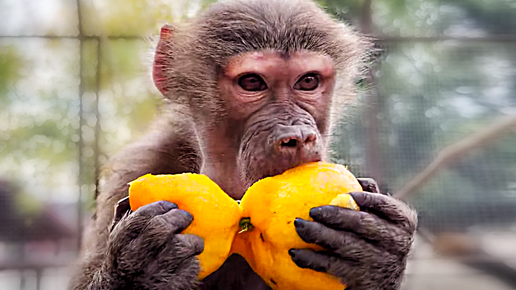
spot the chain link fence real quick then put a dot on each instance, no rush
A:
(74, 89)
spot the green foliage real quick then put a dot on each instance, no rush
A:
(430, 95)
(125, 17)
(344, 10)
(10, 63)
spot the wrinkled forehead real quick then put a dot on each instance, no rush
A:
(271, 60)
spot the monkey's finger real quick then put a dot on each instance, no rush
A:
(344, 244)
(125, 231)
(178, 250)
(364, 224)
(155, 208)
(320, 261)
(387, 207)
(186, 273)
(132, 225)
(153, 232)
(183, 246)
(177, 264)
(172, 222)
(369, 185)
(162, 229)
(190, 245)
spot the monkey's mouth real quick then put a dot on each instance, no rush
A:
(284, 166)
(258, 159)
(276, 167)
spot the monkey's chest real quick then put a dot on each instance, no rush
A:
(235, 274)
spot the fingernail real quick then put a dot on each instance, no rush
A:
(292, 252)
(186, 214)
(359, 197)
(167, 205)
(316, 212)
(299, 223)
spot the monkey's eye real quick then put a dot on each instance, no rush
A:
(308, 82)
(252, 83)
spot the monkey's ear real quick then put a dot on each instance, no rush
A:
(162, 57)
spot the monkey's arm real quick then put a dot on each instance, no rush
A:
(366, 249)
(165, 150)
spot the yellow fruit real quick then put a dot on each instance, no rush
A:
(264, 220)
(345, 200)
(216, 215)
(269, 209)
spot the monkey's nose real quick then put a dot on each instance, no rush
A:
(298, 140)
(295, 145)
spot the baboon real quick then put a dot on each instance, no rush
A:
(251, 89)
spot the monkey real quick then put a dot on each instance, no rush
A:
(250, 89)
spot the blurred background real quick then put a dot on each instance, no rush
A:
(75, 87)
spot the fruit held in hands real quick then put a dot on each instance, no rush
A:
(216, 215)
(265, 218)
(270, 207)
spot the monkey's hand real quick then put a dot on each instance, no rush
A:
(366, 249)
(146, 251)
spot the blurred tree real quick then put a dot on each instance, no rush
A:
(432, 94)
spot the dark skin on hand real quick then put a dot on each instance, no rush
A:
(250, 90)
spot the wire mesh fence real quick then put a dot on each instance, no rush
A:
(73, 92)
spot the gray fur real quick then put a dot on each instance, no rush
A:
(144, 250)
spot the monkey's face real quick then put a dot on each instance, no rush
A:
(281, 103)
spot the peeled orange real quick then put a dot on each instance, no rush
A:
(262, 228)
(269, 208)
(216, 215)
